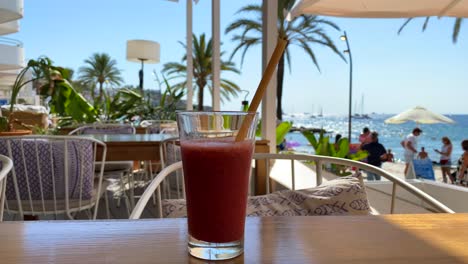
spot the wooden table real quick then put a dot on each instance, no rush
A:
(132, 147)
(425, 239)
(146, 147)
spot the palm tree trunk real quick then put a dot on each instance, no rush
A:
(201, 86)
(279, 88)
(93, 92)
(101, 91)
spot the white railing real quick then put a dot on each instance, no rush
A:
(322, 160)
(11, 42)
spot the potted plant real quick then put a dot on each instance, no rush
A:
(41, 67)
(64, 100)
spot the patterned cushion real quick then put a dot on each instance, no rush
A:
(43, 167)
(343, 196)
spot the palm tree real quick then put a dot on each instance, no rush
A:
(456, 27)
(202, 74)
(100, 68)
(303, 31)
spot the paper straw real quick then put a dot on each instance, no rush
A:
(269, 71)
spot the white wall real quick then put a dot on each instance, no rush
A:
(455, 197)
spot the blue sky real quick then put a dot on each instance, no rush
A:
(393, 72)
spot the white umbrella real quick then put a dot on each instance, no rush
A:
(382, 8)
(420, 115)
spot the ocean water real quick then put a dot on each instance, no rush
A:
(389, 135)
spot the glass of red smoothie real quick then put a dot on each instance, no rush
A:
(216, 173)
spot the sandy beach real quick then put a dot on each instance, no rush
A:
(397, 169)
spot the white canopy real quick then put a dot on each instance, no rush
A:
(420, 115)
(382, 8)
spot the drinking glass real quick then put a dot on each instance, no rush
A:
(217, 169)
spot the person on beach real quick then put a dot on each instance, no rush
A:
(462, 168)
(337, 139)
(390, 156)
(365, 137)
(377, 154)
(282, 146)
(445, 159)
(422, 154)
(410, 145)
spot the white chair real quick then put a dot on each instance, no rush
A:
(124, 169)
(168, 150)
(54, 175)
(103, 129)
(140, 206)
(7, 165)
(319, 161)
(160, 126)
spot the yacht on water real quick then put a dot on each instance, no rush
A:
(361, 115)
(320, 114)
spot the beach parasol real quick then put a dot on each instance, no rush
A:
(420, 115)
(382, 8)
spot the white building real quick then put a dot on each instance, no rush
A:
(11, 50)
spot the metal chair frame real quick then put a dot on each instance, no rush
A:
(99, 126)
(319, 162)
(7, 165)
(43, 208)
(129, 199)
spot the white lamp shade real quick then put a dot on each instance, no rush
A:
(138, 50)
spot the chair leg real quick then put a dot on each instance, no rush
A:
(69, 216)
(152, 177)
(166, 191)
(123, 187)
(160, 202)
(89, 214)
(106, 199)
(127, 206)
(131, 186)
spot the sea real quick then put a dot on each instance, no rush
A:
(390, 135)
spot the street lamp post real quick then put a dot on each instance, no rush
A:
(143, 51)
(344, 37)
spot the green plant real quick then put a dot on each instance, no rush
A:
(122, 104)
(323, 147)
(53, 82)
(282, 129)
(41, 65)
(65, 101)
(168, 103)
(127, 103)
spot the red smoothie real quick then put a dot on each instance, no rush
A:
(216, 176)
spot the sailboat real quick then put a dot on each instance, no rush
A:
(312, 115)
(362, 115)
(356, 115)
(320, 114)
